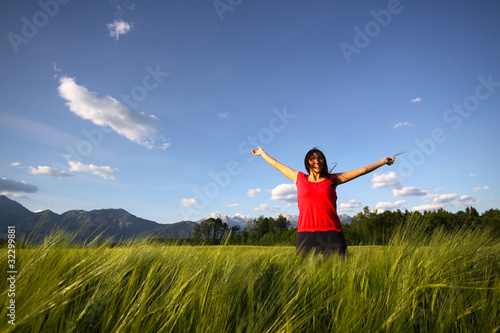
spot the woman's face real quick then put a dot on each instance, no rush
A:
(316, 163)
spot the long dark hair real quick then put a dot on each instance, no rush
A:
(325, 173)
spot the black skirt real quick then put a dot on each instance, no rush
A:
(326, 242)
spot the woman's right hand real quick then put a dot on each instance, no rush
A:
(258, 152)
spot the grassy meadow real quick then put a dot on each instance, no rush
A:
(445, 283)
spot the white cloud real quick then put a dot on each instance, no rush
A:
(188, 202)
(473, 175)
(416, 100)
(444, 198)
(432, 206)
(409, 191)
(350, 205)
(105, 172)
(107, 111)
(10, 185)
(400, 124)
(284, 192)
(118, 28)
(468, 200)
(253, 193)
(440, 200)
(262, 208)
(223, 115)
(390, 205)
(241, 216)
(233, 205)
(49, 171)
(479, 188)
(42, 170)
(386, 180)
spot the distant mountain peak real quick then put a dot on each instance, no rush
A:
(237, 219)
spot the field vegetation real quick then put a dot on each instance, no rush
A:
(447, 281)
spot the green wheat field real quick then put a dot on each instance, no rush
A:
(448, 282)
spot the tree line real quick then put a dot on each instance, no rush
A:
(366, 228)
(258, 231)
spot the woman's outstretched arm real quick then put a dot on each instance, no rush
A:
(344, 177)
(288, 172)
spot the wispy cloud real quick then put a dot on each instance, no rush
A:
(105, 172)
(119, 27)
(253, 193)
(40, 132)
(10, 185)
(233, 205)
(416, 100)
(49, 171)
(14, 195)
(56, 69)
(120, 7)
(401, 124)
(479, 188)
(107, 111)
(284, 192)
(223, 115)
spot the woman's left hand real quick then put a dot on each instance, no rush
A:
(389, 161)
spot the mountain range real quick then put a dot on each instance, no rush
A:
(85, 225)
(116, 223)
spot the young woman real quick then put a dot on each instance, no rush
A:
(319, 227)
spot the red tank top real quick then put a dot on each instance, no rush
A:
(317, 205)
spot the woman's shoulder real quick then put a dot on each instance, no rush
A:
(301, 176)
(334, 178)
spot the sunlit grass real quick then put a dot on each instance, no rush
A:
(445, 283)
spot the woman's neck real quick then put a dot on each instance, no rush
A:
(315, 177)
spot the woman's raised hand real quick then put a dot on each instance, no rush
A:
(390, 161)
(258, 152)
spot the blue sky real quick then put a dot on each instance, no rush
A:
(154, 106)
